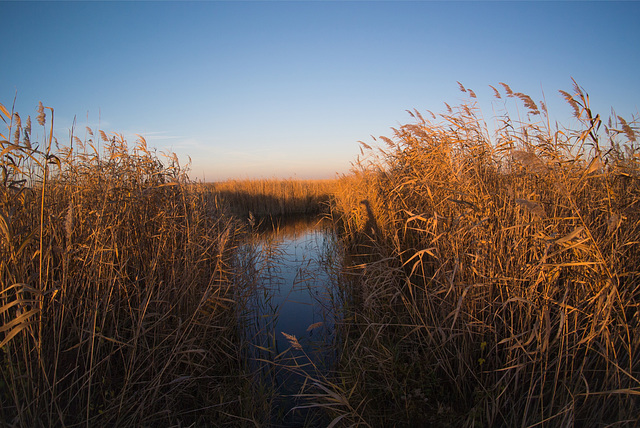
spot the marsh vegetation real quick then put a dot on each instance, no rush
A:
(116, 302)
(502, 287)
(487, 276)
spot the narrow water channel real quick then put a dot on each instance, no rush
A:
(292, 267)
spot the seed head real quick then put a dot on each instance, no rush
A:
(16, 135)
(41, 115)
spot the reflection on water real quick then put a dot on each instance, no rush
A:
(292, 269)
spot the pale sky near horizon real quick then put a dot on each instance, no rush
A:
(287, 89)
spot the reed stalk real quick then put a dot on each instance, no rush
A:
(116, 299)
(500, 285)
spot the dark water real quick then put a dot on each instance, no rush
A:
(292, 267)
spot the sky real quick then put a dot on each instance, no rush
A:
(288, 89)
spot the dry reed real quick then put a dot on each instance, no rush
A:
(274, 197)
(116, 304)
(503, 287)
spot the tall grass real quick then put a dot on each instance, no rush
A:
(494, 274)
(116, 301)
(274, 197)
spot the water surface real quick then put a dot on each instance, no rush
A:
(292, 267)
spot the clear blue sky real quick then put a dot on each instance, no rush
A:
(286, 89)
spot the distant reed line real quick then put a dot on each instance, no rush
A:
(274, 197)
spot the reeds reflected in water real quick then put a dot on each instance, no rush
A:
(290, 312)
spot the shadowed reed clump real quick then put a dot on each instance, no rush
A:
(502, 287)
(115, 294)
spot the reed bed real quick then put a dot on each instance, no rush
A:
(274, 197)
(116, 298)
(491, 278)
(493, 275)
